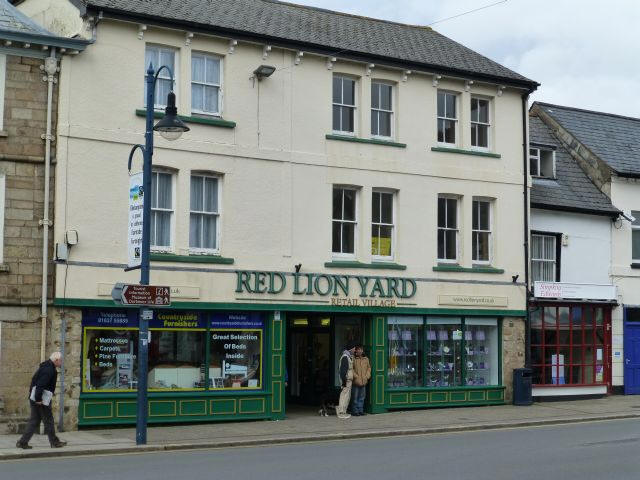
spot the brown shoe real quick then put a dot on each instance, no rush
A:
(58, 444)
(24, 446)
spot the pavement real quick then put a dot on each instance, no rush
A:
(305, 425)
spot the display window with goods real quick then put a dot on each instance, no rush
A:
(437, 352)
(570, 344)
(178, 351)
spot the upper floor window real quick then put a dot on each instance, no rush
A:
(635, 236)
(480, 122)
(447, 229)
(381, 109)
(447, 117)
(159, 56)
(542, 163)
(543, 258)
(205, 84)
(344, 221)
(481, 231)
(204, 213)
(161, 209)
(344, 104)
(3, 68)
(382, 224)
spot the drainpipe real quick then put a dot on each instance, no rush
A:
(50, 67)
(525, 183)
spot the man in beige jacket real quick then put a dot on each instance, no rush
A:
(361, 376)
(346, 378)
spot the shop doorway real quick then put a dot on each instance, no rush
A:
(314, 342)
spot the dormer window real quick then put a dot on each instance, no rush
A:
(542, 163)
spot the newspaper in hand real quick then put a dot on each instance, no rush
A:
(46, 396)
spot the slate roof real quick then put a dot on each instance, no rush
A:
(328, 30)
(613, 138)
(572, 190)
(13, 20)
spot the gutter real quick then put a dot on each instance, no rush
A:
(605, 213)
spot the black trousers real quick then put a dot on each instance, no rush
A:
(40, 413)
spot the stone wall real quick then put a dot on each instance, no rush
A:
(513, 345)
(22, 156)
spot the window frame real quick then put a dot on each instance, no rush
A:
(164, 75)
(635, 214)
(538, 158)
(342, 255)
(345, 105)
(455, 119)
(557, 250)
(394, 196)
(218, 214)
(219, 58)
(172, 210)
(490, 203)
(3, 74)
(477, 123)
(458, 200)
(381, 110)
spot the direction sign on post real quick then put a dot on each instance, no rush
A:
(151, 295)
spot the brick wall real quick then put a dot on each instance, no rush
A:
(22, 152)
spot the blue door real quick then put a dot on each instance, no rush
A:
(631, 358)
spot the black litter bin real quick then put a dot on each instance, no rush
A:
(522, 386)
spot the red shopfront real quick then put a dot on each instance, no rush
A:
(570, 348)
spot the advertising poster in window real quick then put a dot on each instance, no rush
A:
(110, 350)
(236, 351)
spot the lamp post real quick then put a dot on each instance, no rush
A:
(171, 128)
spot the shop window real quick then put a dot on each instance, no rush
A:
(405, 351)
(161, 210)
(635, 236)
(447, 229)
(176, 359)
(544, 258)
(159, 56)
(344, 221)
(444, 352)
(481, 351)
(204, 214)
(348, 330)
(110, 351)
(382, 225)
(569, 345)
(236, 352)
(205, 84)
(344, 104)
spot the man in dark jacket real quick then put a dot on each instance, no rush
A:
(346, 377)
(43, 386)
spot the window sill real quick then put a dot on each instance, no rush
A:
(3, 134)
(466, 152)
(457, 268)
(212, 121)
(635, 265)
(169, 257)
(373, 141)
(374, 265)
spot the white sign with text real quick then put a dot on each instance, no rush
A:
(574, 291)
(134, 230)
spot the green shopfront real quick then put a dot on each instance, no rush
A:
(251, 358)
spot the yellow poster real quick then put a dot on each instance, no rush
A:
(381, 246)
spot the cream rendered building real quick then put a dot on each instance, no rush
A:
(367, 192)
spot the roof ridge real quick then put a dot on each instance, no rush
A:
(586, 111)
(345, 14)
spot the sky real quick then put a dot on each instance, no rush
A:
(584, 53)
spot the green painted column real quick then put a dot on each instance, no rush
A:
(376, 339)
(277, 355)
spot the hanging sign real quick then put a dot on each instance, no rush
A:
(574, 291)
(134, 230)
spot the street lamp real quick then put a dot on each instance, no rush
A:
(171, 128)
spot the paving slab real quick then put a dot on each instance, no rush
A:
(306, 425)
